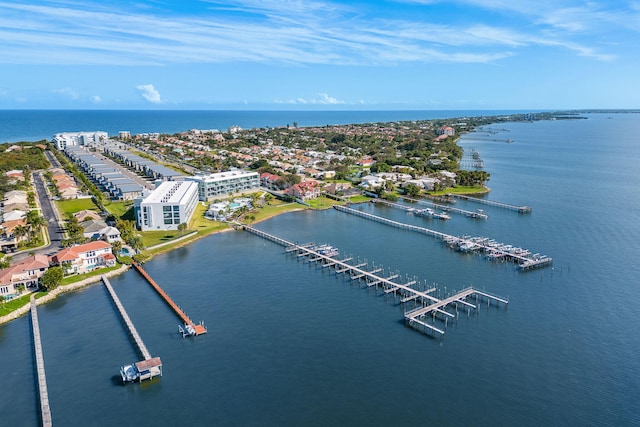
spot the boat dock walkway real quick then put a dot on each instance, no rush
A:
(519, 209)
(142, 349)
(409, 291)
(45, 409)
(193, 328)
(493, 250)
(445, 208)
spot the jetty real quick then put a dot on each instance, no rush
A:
(147, 368)
(412, 293)
(493, 250)
(45, 409)
(190, 327)
(478, 214)
(519, 209)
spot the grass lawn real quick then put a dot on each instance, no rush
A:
(359, 199)
(16, 303)
(122, 210)
(460, 190)
(275, 208)
(77, 277)
(323, 202)
(76, 205)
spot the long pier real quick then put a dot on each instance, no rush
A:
(445, 208)
(420, 296)
(519, 209)
(45, 409)
(192, 327)
(142, 349)
(493, 250)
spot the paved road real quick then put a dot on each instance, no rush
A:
(53, 228)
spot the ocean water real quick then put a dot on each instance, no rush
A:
(36, 125)
(294, 344)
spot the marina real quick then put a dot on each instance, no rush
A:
(144, 369)
(43, 393)
(519, 209)
(189, 327)
(478, 214)
(419, 294)
(493, 250)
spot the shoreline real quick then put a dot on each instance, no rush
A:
(168, 247)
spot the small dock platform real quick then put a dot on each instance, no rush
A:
(493, 250)
(190, 327)
(43, 393)
(519, 209)
(147, 368)
(409, 291)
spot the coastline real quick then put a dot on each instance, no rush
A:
(157, 250)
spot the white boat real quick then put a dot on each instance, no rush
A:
(430, 213)
(326, 250)
(129, 373)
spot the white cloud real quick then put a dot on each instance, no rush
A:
(96, 99)
(326, 99)
(150, 93)
(323, 98)
(67, 92)
(302, 32)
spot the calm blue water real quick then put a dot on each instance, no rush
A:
(290, 344)
(35, 125)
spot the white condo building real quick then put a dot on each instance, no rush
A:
(168, 206)
(65, 139)
(223, 183)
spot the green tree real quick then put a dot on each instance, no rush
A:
(116, 247)
(5, 261)
(19, 231)
(412, 190)
(51, 278)
(182, 227)
(268, 197)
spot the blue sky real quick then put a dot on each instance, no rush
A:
(308, 54)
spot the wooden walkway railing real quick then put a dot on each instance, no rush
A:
(42, 377)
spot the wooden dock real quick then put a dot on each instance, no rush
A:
(45, 410)
(493, 250)
(197, 329)
(142, 349)
(409, 291)
(519, 209)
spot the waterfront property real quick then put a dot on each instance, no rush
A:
(214, 185)
(166, 207)
(84, 258)
(24, 275)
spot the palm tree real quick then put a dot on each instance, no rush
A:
(36, 222)
(19, 231)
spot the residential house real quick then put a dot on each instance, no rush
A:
(306, 190)
(26, 273)
(86, 214)
(97, 229)
(85, 258)
(14, 215)
(337, 187)
(269, 180)
(8, 229)
(371, 181)
(446, 130)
